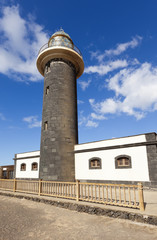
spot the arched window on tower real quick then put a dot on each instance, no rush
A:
(123, 161)
(47, 68)
(95, 163)
(47, 90)
(23, 167)
(46, 125)
(34, 166)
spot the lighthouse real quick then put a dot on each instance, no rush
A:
(60, 63)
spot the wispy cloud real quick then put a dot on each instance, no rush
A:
(86, 121)
(20, 42)
(97, 116)
(80, 101)
(2, 117)
(103, 69)
(84, 84)
(32, 121)
(121, 47)
(91, 123)
(81, 118)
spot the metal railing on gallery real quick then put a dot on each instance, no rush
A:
(46, 46)
(111, 194)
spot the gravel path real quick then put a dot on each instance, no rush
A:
(21, 219)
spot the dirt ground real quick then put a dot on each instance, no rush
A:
(21, 219)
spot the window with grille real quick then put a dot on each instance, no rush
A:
(95, 163)
(123, 161)
(23, 167)
(34, 166)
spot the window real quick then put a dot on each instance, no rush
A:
(11, 174)
(23, 167)
(47, 68)
(34, 166)
(45, 126)
(95, 163)
(47, 90)
(4, 174)
(123, 161)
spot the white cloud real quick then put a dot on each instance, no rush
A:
(135, 91)
(86, 121)
(94, 54)
(84, 84)
(98, 117)
(107, 106)
(2, 117)
(80, 101)
(32, 121)
(103, 69)
(121, 47)
(134, 84)
(21, 40)
(91, 123)
(81, 118)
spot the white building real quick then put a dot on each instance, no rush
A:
(27, 165)
(121, 159)
(128, 159)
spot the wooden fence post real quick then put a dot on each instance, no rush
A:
(77, 190)
(141, 198)
(40, 186)
(14, 187)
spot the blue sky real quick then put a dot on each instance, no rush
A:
(117, 94)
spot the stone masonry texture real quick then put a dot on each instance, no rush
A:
(60, 113)
(152, 158)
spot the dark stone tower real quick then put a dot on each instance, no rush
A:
(61, 63)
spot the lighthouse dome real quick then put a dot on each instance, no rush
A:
(60, 38)
(61, 32)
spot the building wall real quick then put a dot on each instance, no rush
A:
(7, 172)
(112, 148)
(142, 149)
(28, 159)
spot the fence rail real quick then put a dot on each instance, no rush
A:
(113, 194)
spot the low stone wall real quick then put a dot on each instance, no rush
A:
(89, 209)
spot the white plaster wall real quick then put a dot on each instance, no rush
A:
(27, 154)
(28, 173)
(138, 172)
(111, 142)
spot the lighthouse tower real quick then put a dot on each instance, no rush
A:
(61, 63)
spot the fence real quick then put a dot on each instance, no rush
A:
(113, 194)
